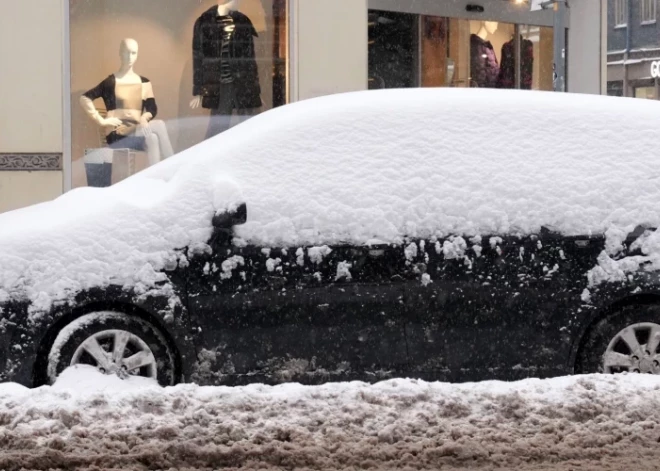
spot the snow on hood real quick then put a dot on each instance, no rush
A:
(354, 168)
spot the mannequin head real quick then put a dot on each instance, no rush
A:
(128, 52)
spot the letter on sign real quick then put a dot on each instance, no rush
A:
(655, 69)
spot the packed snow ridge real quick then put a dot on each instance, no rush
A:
(87, 419)
(352, 168)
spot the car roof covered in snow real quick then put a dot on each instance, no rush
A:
(358, 168)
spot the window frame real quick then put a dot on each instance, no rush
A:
(620, 13)
(648, 12)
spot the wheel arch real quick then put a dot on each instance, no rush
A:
(39, 373)
(639, 299)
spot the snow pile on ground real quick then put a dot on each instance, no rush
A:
(87, 420)
(359, 167)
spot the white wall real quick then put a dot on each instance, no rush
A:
(329, 47)
(31, 99)
(587, 46)
(31, 33)
(20, 189)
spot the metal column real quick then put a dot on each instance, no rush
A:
(559, 66)
(560, 46)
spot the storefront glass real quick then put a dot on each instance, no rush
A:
(615, 88)
(150, 78)
(645, 92)
(408, 50)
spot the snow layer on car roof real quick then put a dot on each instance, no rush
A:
(355, 168)
(385, 164)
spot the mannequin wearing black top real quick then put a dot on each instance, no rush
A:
(225, 76)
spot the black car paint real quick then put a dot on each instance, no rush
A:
(508, 310)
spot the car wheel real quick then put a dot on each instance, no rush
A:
(114, 343)
(628, 341)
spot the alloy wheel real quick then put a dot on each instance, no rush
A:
(117, 352)
(634, 349)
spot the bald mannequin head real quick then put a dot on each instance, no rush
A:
(128, 52)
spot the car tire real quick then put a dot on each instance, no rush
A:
(145, 350)
(626, 341)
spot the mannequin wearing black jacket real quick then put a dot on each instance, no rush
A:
(507, 75)
(225, 74)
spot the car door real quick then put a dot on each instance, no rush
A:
(306, 314)
(448, 310)
(496, 307)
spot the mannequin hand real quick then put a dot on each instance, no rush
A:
(144, 127)
(114, 122)
(196, 101)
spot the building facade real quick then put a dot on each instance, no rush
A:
(74, 96)
(633, 48)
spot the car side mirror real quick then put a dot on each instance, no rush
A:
(229, 219)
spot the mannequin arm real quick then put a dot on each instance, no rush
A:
(149, 107)
(88, 105)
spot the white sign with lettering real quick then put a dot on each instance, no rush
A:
(655, 69)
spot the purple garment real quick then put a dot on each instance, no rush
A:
(484, 68)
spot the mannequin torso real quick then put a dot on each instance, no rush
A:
(129, 91)
(127, 78)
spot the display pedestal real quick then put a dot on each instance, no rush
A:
(106, 166)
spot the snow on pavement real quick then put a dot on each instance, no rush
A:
(90, 421)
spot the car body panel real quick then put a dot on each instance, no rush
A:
(281, 316)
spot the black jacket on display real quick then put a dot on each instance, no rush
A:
(209, 76)
(483, 63)
(507, 76)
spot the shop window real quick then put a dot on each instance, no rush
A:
(615, 88)
(407, 50)
(647, 93)
(392, 50)
(620, 13)
(648, 11)
(155, 77)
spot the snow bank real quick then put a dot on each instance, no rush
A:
(356, 168)
(89, 419)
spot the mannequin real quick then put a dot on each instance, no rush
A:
(484, 67)
(224, 7)
(507, 75)
(131, 106)
(225, 76)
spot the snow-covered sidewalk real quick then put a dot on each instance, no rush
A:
(90, 421)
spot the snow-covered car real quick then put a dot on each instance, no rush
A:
(441, 234)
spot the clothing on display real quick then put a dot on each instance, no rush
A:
(507, 75)
(484, 67)
(223, 53)
(221, 115)
(126, 101)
